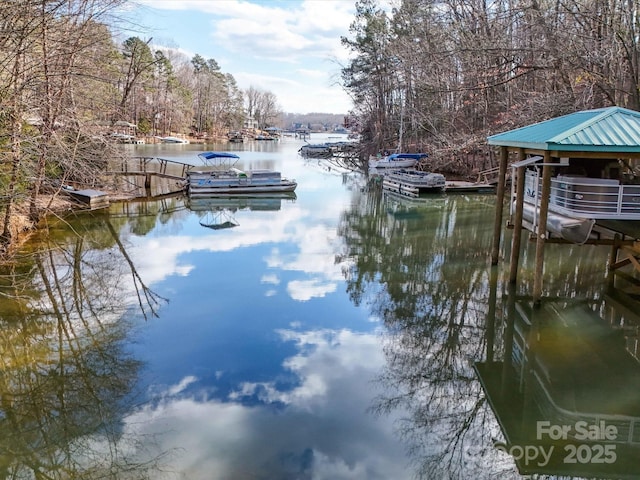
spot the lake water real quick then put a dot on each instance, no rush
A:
(340, 334)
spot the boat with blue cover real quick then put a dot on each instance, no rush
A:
(396, 160)
(222, 178)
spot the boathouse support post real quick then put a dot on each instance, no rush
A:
(516, 240)
(491, 316)
(528, 378)
(507, 370)
(497, 227)
(541, 229)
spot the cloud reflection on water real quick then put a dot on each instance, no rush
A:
(313, 251)
(320, 428)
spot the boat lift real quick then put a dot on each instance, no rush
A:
(219, 220)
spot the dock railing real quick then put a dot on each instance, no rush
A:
(489, 176)
(161, 167)
(585, 197)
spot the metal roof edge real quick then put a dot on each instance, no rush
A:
(593, 148)
(604, 113)
(538, 146)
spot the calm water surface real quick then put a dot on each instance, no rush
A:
(328, 336)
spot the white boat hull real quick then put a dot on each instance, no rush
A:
(173, 140)
(237, 182)
(576, 230)
(397, 160)
(204, 190)
(402, 163)
(229, 180)
(413, 182)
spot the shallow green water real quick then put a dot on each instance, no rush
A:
(333, 335)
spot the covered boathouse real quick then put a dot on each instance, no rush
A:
(575, 178)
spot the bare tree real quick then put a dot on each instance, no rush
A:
(67, 376)
(262, 106)
(46, 49)
(371, 75)
(454, 72)
(13, 43)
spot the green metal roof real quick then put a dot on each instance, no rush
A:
(612, 129)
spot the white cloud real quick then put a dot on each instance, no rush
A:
(304, 290)
(312, 258)
(156, 260)
(311, 73)
(184, 383)
(270, 279)
(323, 431)
(274, 46)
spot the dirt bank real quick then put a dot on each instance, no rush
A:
(21, 227)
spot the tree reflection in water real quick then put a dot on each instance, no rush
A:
(66, 376)
(564, 366)
(423, 268)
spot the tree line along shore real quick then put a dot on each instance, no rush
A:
(423, 76)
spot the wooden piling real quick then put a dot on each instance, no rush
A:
(491, 314)
(541, 229)
(517, 231)
(497, 226)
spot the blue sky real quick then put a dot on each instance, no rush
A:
(288, 47)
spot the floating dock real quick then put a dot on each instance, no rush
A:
(94, 199)
(453, 186)
(410, 190)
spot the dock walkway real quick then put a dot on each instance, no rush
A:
(173, 172)
(160, 167)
